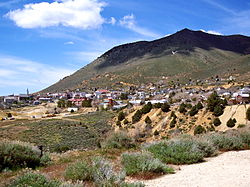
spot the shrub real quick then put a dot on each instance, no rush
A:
(45, 160)
(103, 173)
(177, 151)
(17, 155)
(214, 100)
(193, 111)
(148, 120)
(157, 105)
(245, 138)
(135, 163)
(218, 111)
(34, 179)
(172, 115)
(79, 171)
(165, 107)
(156, 133)
(172, 123)
(182, 108)
(146, 108)
(137, 116)
(121, 116)
(226, 142)
(119, 124)
(231, 123)
(9, 115)
(125, 121)
(248, 114)
(217, 122)
(119, 140)
(199, 106)
(199, 130)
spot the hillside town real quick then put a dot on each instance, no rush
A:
(104, 99)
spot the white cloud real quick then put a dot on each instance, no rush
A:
(112, 21)
(83, 14)
(16, 73)
(69, 43)
(129, 22)
(212, 32)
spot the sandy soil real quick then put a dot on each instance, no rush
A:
(228, 169)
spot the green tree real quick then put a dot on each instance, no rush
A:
(146, 108)
(199, 130)
(218, 110)
(193, 111)
(121, 116)
(248, 114)
(148, 120)
(157, 105)
(182, 108)
(172, 123)
(231, 123)
(137, 116)
(199, 106)
(214, 100)
(217, 122)
(165, 107)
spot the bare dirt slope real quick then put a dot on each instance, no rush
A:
(235, 111)
(228, 169)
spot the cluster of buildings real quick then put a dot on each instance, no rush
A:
(116, 99)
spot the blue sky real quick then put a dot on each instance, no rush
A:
(43, 41)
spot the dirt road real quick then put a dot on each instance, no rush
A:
(229, 169)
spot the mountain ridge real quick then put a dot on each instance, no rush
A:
(195, 48)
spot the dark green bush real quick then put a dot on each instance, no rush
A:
(248, 114)
(135, 163)
(172, 115)
(17, 155)
(217, 122)
(182, 108)
(157, 105)
(199, 106)
(231, 123)
(193, 111)
(148, 120)
(125, 121)
(165, 107)
(137, 116)
(172, 123)
(218, 111)
(121, 116)
(146, 108)
(199, 130)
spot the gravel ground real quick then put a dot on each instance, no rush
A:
(229, 169)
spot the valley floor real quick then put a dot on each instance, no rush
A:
(228, 169)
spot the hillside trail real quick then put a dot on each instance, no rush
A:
(228, 169)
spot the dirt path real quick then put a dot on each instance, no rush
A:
(229, 169)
